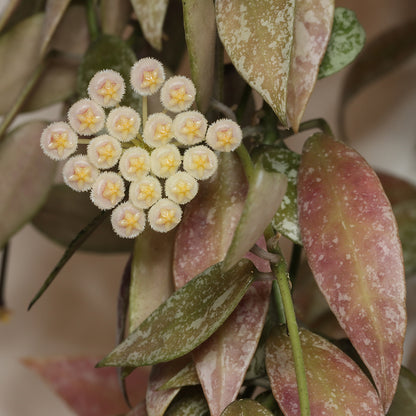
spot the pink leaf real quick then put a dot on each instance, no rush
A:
(336, 385)
(351, 242)
(223, 359)
(139, 410)
(89, 391)
(313, 22)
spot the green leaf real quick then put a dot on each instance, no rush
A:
(114, 16)
(352, 245)
(201, 46)
(404, 402)
(191, 402)
(336, 385)
(265, 194)
(187, 376)
(27, 176)
(287, 162)
(347, 40)
(65, 212)
(258, 37)
(186, 319)
(108, 52)
(246, 407)
(151, 15)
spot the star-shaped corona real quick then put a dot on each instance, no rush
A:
(59, 141)
(104, 151)
(123, 123)
(158, 130)
(79, 174)
(134, 163)
(224, 135)
(165, 160)
(147, 76)
(145, 192)
(189, 127)
(108, 190)
(200, 162)
(127, 220)
(86, 117)
(164, 215)
(177, 94)
(106, 88)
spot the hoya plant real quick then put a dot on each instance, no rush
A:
(260, 280)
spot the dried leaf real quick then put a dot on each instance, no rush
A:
(200, 33)
(186, 319)
(151, 15)
(352, 246)
(27, 177)
(114, 16)
(246, 407)
(191, 402)
(347, 40)
(404, 402)
(66, 212)
(265, 194)
(258, 37)
(336, 385)
(313, 23)
(222, 360)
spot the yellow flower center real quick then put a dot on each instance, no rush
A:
(163, 132)
(201, 163)
(106, 153)
(147, 193)
(109, 91)
(226, 139)
(137, 165)
(192, 129)
(59, 142)
(182, 190)
(130, 222)
(151, 80)
(168, 163)
(112, 191)
(125, 125)
(179, 97)
(87, 120)
(167, 217)
(81, 175)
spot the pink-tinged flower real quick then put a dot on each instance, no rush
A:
(158, 130)
(189, 127)
(58, 141)
(79, 174)
(106, 88)
(177, 94)
(134, 164)
(123, 123)
(145, 192)
(86, 117)
(108, 190)
(127, 220)
(224, 135)
(164, 215)
(165, 160)
(104, 151)
(181, 187)
(200, 162)
(147, 76)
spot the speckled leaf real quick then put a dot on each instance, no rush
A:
(246, 407)
(313, 23)
(404, 402)
(88, 391)
(191, 402)
(25, 38)
(336, 385)
(187, 376)
(351, 241)
(209, 221)
(152, 279)
(186, 319)
(27, 177)
(66, 212)
(287, 162)
(347, 40)
(265, 194)
(397, 189)
(151, 15)
(222, 360)
(258, 37)
(114, 16)
(405, 213)
(200, 33)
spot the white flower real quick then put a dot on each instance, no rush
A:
(106, 88)
(165, 160)
(158, 130)
(134, 163)
(177, 94)
(104, 151)
(86, 117)
(145, 192)
(200, 162)
(58, 141)
(79, 174)
(128, 221)
(181, 187)
(164, 215)
(224, 135)
(108, 190)
(123, 123)
(189, 127)
(147, 76)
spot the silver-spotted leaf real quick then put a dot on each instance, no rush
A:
(191, 402)
(200, 34)
(258, 37)
(347, 40)
(187, 376)
(222, 360)
(336, 385)
(246, 407)
(351, 241)
(404, 402)
(151, 15)
(186, 319)
(114, 16)
(27, 177)
(265, 194)
(65, 213)
(313, 23)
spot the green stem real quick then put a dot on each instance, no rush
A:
(144, 110)
(92, 20)
(245, 161)
(12, 113)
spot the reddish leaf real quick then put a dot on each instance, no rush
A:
(223, 359)
(336, 385)
(89, 391)
(139, 410)
(351, 242)
(313, 22)
(246, 407)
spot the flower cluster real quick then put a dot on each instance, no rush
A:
(156, 161)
